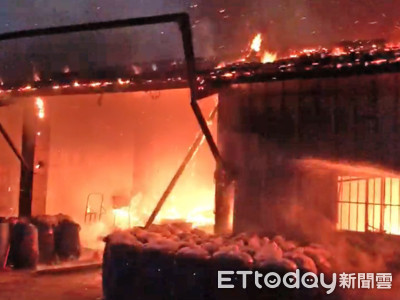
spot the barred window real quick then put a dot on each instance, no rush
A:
(369, 204)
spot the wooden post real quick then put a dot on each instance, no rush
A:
(28, 153)
(224, 194)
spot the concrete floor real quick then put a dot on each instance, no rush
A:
(25, 285)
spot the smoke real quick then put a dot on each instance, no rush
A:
(204, 35)
(220, 29)
(297, 198)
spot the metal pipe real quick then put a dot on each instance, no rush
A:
(94, 26)
(192, 151)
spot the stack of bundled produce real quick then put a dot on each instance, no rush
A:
(42, 239)
(174, 261)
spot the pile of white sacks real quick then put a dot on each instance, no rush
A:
(174, 261)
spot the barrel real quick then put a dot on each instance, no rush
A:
(4, 242)
(156, 269)
(24, 250)
(47, 253)
(121, 272)
(67, 241)
(190, 276)
(229, 262)
(280, 267)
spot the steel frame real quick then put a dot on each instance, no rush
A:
(183, 21)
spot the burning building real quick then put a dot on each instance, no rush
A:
(289, 130)
(311, 137)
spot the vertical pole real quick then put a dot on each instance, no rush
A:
(42, 152)
(224, 194)
(28, 154)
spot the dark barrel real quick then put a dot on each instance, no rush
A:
(190, 276)
(45, 226)
(24, 250)
(67, 241)
(156, 267)
(280, 267)
(229, 261)
(121, 271)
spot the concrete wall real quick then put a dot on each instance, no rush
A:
(268, 130)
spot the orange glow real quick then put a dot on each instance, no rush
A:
(26, 88)
(221, 65)
(268, 57)
(338, 51)
(40, 108)
(228, 75)
(136, 158)
(369, 204)
(309, 51)
(256, 43)
(123, 82)
(176, 209)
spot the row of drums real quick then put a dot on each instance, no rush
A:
(45, 239)
(130, 272)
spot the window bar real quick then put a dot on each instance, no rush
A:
(341, 205)
(357, 205)
(373, 205)
(383, 206)
(390, 209)
(349, 212)
(366, 204)
(398, 208)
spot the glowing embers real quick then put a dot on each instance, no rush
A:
(369, 204)
(40, 108)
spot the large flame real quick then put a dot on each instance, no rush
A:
(256, 43)
(268, 57)
(176, 209)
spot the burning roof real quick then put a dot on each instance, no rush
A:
(257, 64)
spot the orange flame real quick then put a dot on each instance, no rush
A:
(40, 107)
(338, 51)
(268, 57)
(256, 43)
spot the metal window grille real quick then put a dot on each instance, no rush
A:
(369, 204)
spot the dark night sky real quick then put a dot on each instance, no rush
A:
(221, 28)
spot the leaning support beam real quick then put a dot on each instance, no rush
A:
(186, 31)
(12, 146)
(191, 153)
